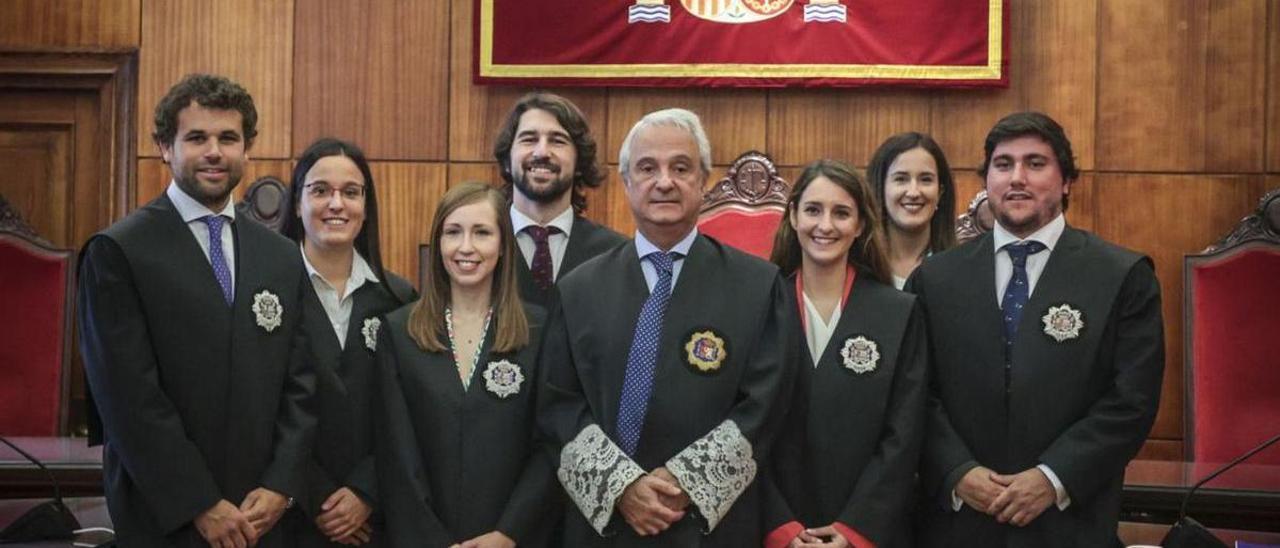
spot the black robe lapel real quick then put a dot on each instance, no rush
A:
(190, 257)
(576, 252)
(477, 389)
(1061, 272)
(985, 326)
(618, 331)
(681, 309)
(363, 302)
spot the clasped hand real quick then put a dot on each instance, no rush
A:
(1016, 499)
(227, 526)
(653, 502)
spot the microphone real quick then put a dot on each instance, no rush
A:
(1189, 533)
(47, 521)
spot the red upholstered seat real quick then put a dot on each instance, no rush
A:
(744, 208)
(34, 328)
(1232, 362)
(750, 231)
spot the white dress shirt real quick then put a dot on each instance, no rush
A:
(192, 211)
(645, 247)
(1047, 235)
(818, 332)
(557, 242)
(338, 307)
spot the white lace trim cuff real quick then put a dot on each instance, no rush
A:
(595, 472)
(715, 470)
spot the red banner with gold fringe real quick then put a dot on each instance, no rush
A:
(742, 43)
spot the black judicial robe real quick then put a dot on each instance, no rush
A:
(456, 464)
(346, 383)
(849, 450)
(709, 427)
(195, 401)
(1082, 406)
(586, 240)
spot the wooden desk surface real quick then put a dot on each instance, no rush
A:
(77, 467)
(1246, 497)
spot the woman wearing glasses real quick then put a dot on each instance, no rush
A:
(457, 460)
(332, 212)
(843, 468)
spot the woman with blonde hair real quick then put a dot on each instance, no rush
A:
(457, 463)
(841, 474)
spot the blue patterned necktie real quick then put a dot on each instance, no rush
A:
(1018, 290)
(637, 385)
(216, 257)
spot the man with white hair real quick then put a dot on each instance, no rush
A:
(667, 364)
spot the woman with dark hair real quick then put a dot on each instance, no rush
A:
(332, 212)
(913, 182)
(841, 474)
(457, 463)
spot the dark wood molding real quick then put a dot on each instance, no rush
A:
(1263, 224)
(971, 223)
(113, 76)
(264, 202)
(11, 221)
(752, 181)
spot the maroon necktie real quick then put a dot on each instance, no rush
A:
(543, 272)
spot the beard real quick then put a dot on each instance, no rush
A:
(545, 194)
(211, 195)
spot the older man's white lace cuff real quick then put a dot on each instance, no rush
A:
(595, 472)
(715, 470)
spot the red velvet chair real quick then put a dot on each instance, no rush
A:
(744, 208)
(1231, 314)
(976, 220)
(35, 327)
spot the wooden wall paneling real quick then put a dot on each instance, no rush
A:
(1082, 206)
(1167, 217)
(154, 177)
(374, 72)
(1053, 49)
(461, 172)
(248, 41)
(1273, 90)
(408, 193)
(734, 119)
(1057, 68)
(968, 185)
(475, 112)
(1235, 97)
(960, 119)
(1181, 86)
(617, 214)
(843, 124)
(69, 24)
(1151, 85)
(37, 150)
(36, 178)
